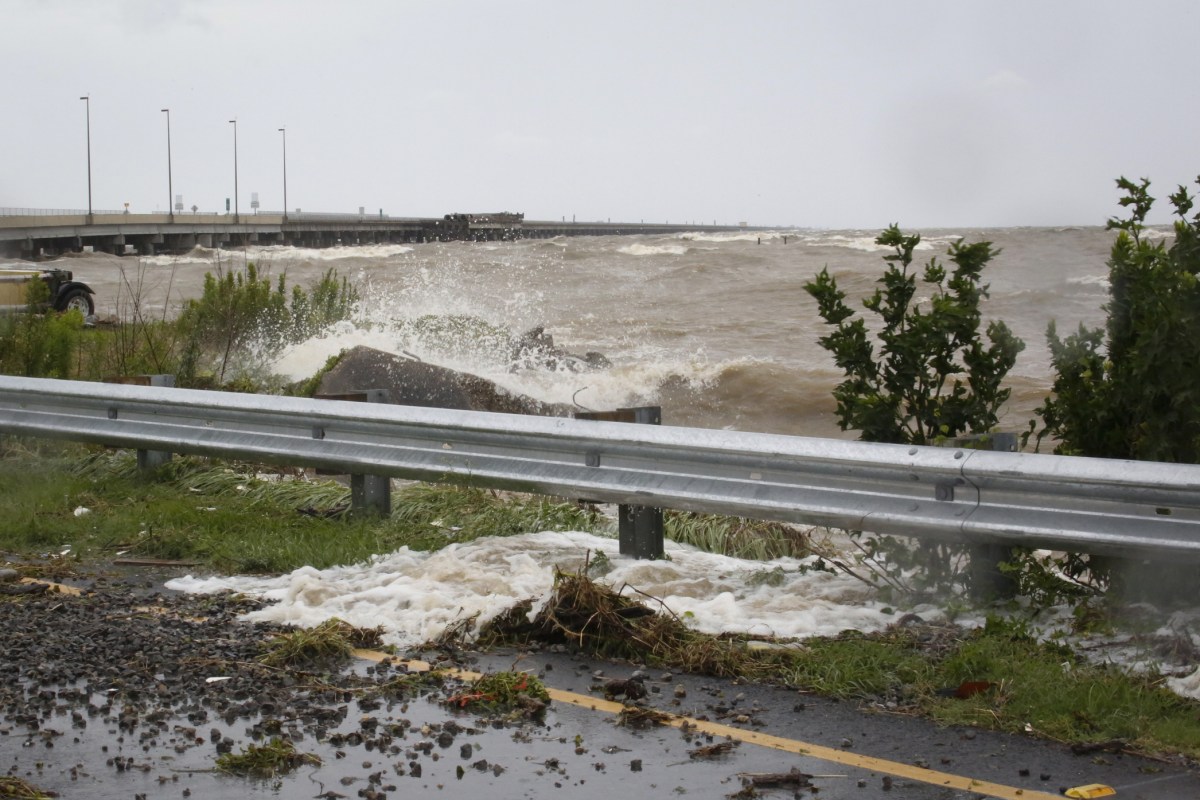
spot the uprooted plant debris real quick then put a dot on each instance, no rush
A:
(330, 642)
(14, 788)
(753, 782)
(276, 757)
(517, 694)
(713, 750)
(640, 718)
(598, 620)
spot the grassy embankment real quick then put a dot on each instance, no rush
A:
(227, 520)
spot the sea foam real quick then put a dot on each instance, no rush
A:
(415, 596)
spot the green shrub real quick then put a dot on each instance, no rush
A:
(933, 376)
(1131, 390)
(39, 343)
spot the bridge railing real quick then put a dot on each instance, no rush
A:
(1099, 506)
(248, 215)
(50, 212)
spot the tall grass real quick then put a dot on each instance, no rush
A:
(737, 536)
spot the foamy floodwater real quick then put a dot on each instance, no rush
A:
(415, 596)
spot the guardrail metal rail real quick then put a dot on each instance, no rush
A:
(1099, 506)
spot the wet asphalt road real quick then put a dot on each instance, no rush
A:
(106, 696)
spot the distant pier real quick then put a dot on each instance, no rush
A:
(35, 235)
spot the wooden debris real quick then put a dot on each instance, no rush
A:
(794, 779)
(637, 717)
(713, 750)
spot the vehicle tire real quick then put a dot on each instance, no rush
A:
(77, 299)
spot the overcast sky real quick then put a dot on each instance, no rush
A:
(817, 114)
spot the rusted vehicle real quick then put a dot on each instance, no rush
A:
(65, 292)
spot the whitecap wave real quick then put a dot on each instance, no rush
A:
(738, 236)
(277, 254)
(1089, 280)
(866, 242)
(336, 253)
(653, 250)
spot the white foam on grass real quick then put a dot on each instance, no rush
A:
(415, 596)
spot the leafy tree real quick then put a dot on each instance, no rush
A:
(933, 377)
(1132, 390)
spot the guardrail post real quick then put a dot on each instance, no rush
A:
(987, 581)
(147, 460)
(639, 528)
(369, 494)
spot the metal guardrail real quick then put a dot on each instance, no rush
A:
(1079, 504)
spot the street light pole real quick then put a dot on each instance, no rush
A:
(87, 101)
(285, 205)
(170, 184)
(235, 185)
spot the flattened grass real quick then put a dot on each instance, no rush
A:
(1044, 688)
(737, 536)
(95, 504)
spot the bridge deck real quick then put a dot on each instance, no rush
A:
(34, 236)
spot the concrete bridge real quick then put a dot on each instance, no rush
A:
(35, 235)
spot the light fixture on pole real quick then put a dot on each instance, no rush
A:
(87, 101)
(170, 185)
(285, 205)
(235, 175)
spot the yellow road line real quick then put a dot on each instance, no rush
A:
(844, 757)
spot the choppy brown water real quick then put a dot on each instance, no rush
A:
(716, 328)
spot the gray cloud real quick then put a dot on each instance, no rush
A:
(826, 114)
